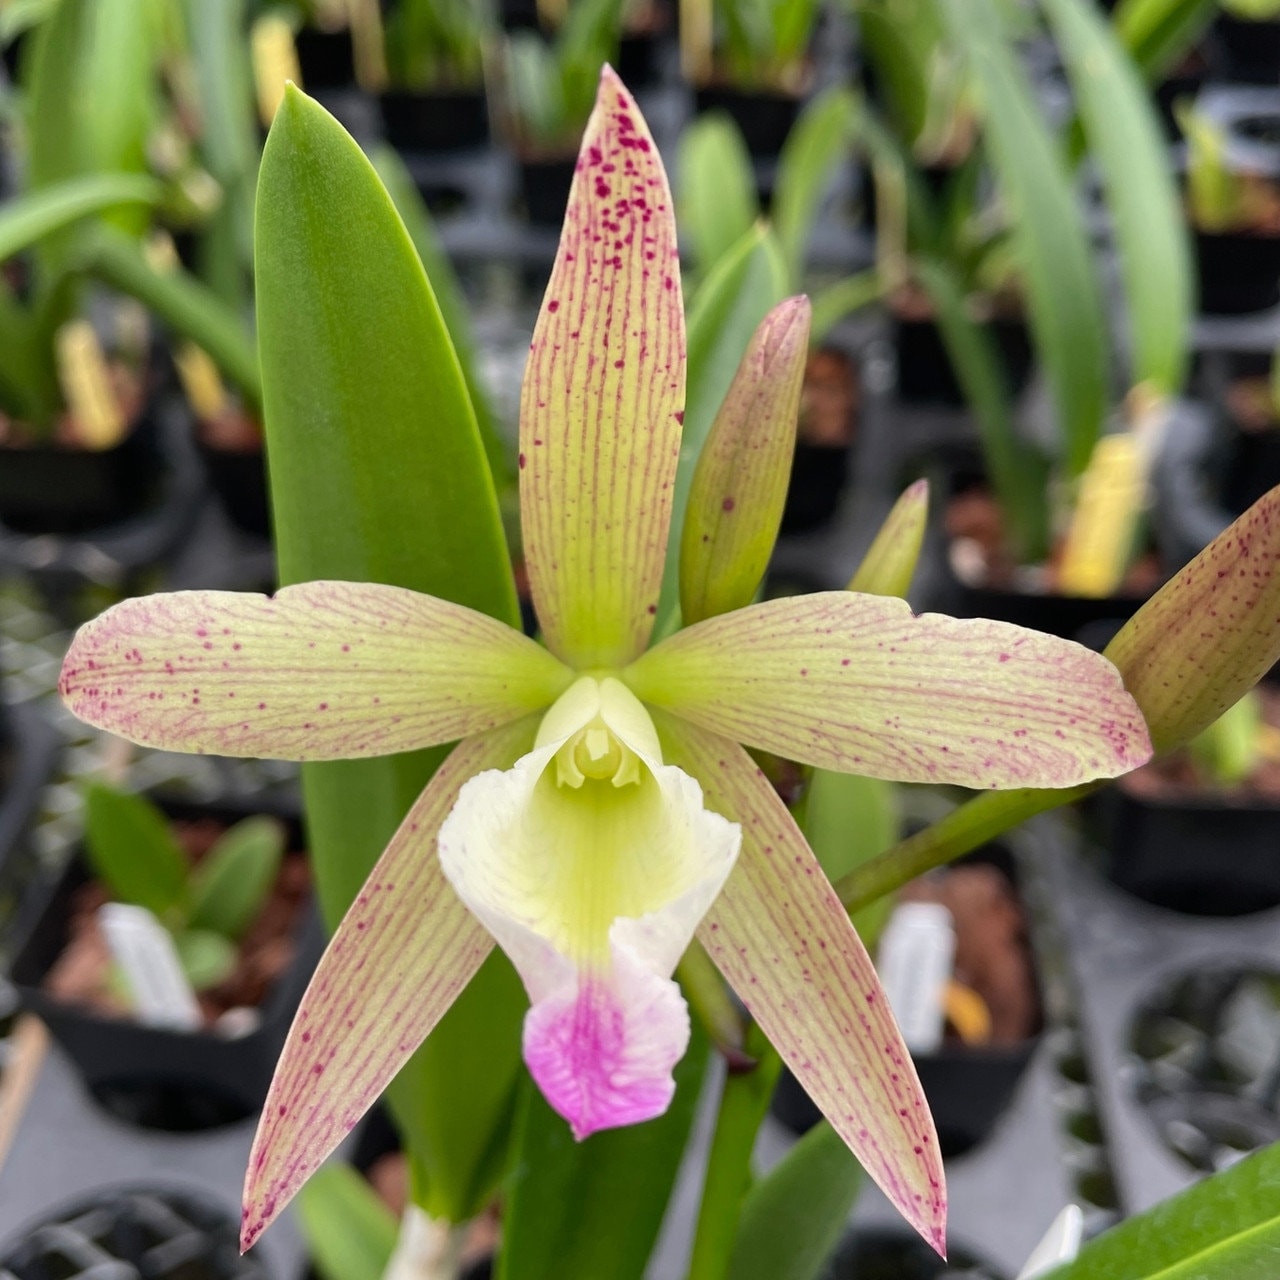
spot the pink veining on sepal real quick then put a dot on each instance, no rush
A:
(602, 1050)
(602, 401)
(401, 956)
(785, 944)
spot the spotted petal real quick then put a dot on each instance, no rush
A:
(320, 671)
(780, 936)
(860, 684)
(603, 398)
(593, 880)
(399, 959)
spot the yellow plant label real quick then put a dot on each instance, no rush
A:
(161, 252)
(86, 384)
(1112, 492)
(201, 382)
(967, 1011)
(368, 44)
(275, 63)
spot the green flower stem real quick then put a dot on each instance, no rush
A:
(743, 1104)
(714, 1007)
(965, 828)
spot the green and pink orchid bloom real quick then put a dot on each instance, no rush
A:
(599, 811)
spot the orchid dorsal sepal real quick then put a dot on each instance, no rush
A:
(740, 483)
(890, 561)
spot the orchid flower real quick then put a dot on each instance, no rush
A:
(599, 811)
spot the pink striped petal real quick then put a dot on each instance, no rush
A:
(780, 936)
(860, 684)
(320, 671)
(399, 959)
(603, 398)
(593, 886)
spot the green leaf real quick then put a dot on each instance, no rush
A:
(793, 1218)
(180, 300)
(584, 1210)
(1159, 33)
(378, 475)
(453, 304)
(1017, 474)
(207, 958)
(716, 196)
(833, 303)
(132, 850)
(350, 1233)
(1053, 253)
(29, 218)
(723, 314)
(816, 145)
(232, 881)
(1224, 1228)
(1126, 139)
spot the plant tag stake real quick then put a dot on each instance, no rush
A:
(86, 383)
(275, 63)
(1060, 1244)
(144, 950)
(1112, 492)
(201, 382)
(917, 951)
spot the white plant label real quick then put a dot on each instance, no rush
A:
(1061, 1243)
(917, 953)
(144, 950)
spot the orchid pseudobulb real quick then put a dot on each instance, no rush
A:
(599, 810)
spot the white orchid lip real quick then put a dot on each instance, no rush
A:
(592, 863)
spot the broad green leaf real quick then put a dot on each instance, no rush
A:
(231, 883)
(1017, 474)
(350, 1233)
(794, 1216)
(1053, 253)
(180, 300)
(207, 957)
(1226, 1227)
(582, 1211)
(722, 316)
(1158, 33)
(740, 482)
(816, 145)
(716, 197)
(1227, 750)
(29, 218)
(903, 43)
(378, 475)
(132, 850)
(1128, 143)
(452, 302)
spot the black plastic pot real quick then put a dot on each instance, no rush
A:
(29, 748)
(819, 475)
(239, 478)
(1204, 856)
(764, 118)
(132, 1234)
(1238, 273)
(925, 375)
(153, 1076)
(435, 122)
(639, 58)
(326, 58)
(1250, 51)
(48, 489)
(545, 185)
(891, 1255)
(1071, 617)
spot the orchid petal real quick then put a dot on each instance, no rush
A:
(593, 884)
(740, 483)
(1208, 635)
(860, 684)
(780, 936)
(603, 398)
(890, 562)
(320, 671)
(401, 956)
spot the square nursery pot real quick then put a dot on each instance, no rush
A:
(1204, 855)
(764, 117)
(432, 122)
(898, 1255)
(29, 747)
(544, 184)
(326, 59)
(1238, 272)
(925, 373)
(155, 1076)
(968, 1086)
(132, 1234)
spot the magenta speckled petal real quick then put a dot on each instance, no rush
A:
(603, 398)
(320, 671)
(780, 936)
(860, 684)
(399, 959)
